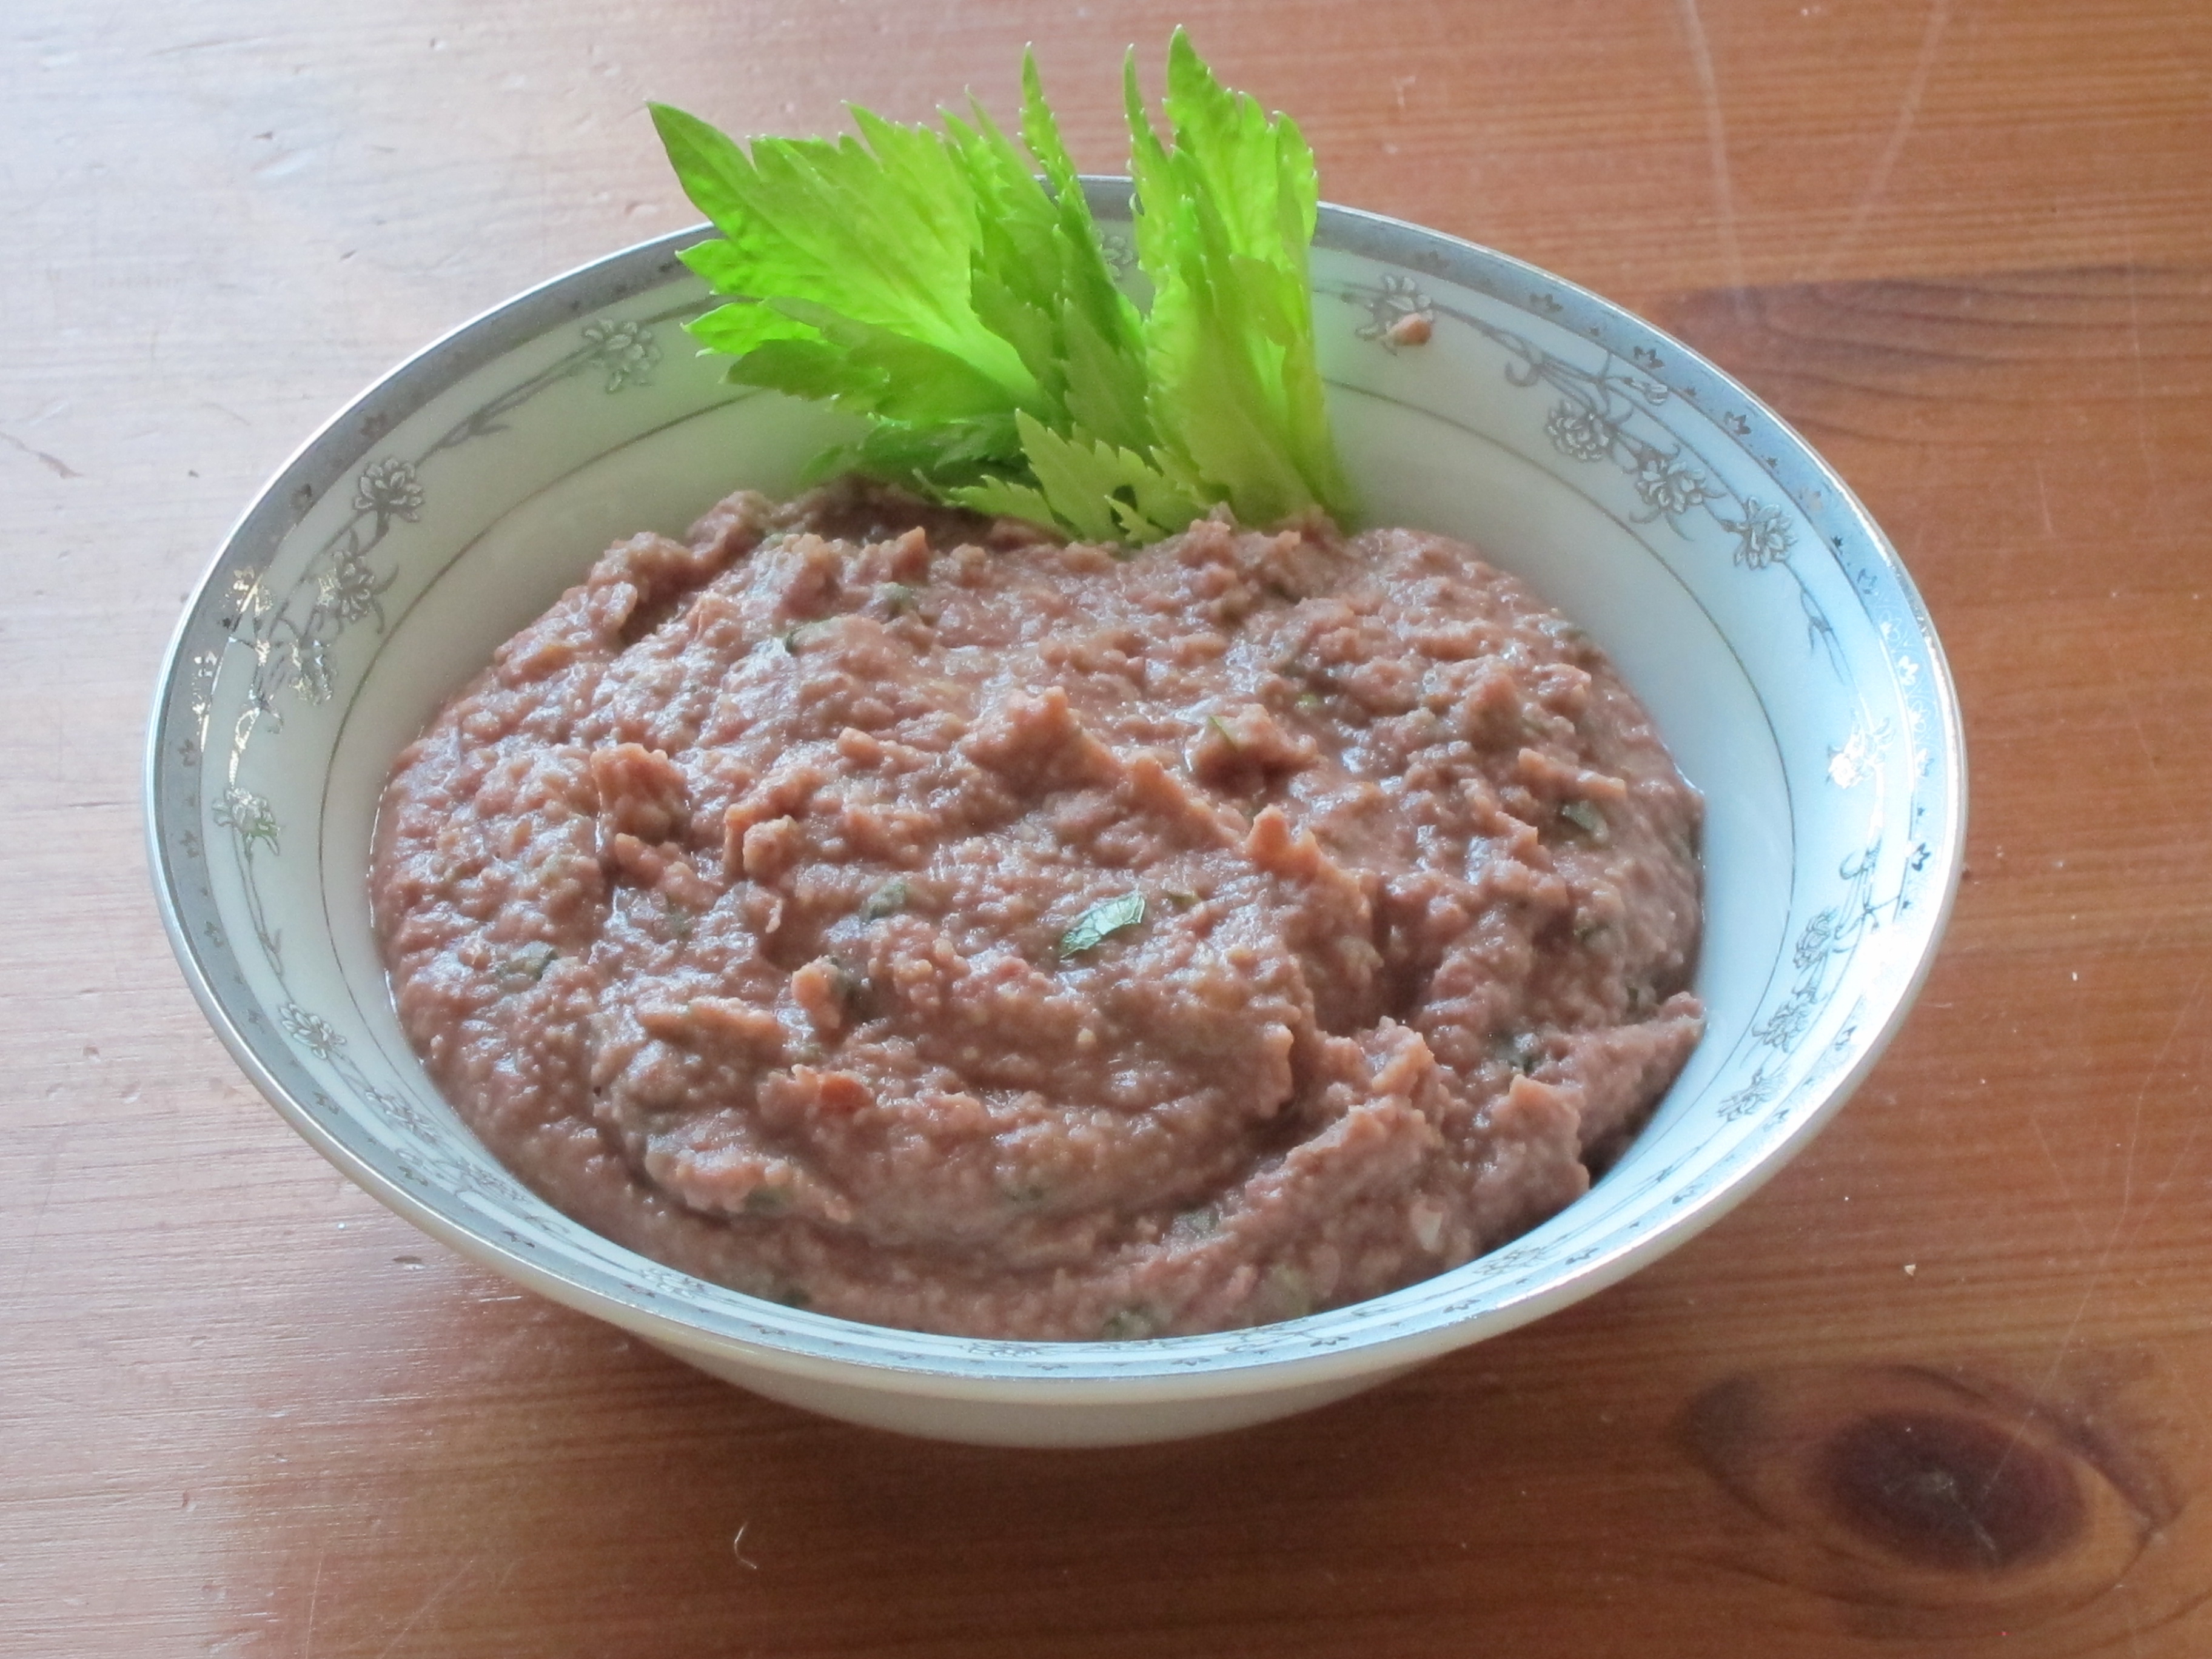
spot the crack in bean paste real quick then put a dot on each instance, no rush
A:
(904, 915)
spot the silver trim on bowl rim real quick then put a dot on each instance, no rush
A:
(1385, 1332)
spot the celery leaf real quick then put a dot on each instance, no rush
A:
(932, 282)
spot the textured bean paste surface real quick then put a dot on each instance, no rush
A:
(898, 915)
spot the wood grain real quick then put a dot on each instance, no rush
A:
(1939, 1389)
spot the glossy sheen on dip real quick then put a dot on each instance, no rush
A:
(891, 912)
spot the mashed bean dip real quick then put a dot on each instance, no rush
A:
(911, 917)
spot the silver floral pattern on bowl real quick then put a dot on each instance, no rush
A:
(270, 663)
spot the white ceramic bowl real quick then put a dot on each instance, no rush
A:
(1742, 590)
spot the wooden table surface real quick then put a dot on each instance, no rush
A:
(1944, 1387)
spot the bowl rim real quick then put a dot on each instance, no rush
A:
(1268, 1358)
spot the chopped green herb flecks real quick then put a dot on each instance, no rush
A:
(1568, 637)
(1198, 1223)
(852, 989)
(527, 966)
(930, 282)
(1586, 818)
(1129, 1325)
(887, 900)
(1521, 1051)
(1107, 916)
(1590, 929)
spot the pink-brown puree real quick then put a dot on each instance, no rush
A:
(732, 906)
